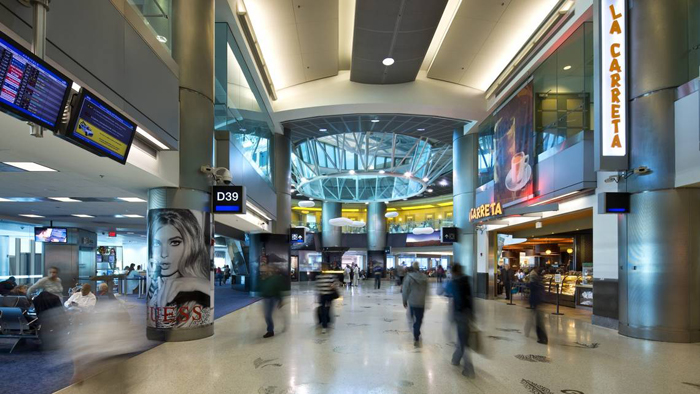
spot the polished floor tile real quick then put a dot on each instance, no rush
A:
(370, 351)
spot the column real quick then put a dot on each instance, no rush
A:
(376, 234)
(282, 179)
(463, 186)
(183, 213)
(659, 273)
(331, 236)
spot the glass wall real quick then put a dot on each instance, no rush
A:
(157, 15)
(563, 89)
(20, 256)
(238, 106)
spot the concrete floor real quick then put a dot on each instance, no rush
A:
(370, 350)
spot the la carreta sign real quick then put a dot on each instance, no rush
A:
(485, 211)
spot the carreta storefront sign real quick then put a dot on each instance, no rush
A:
(614, 77)
(485, 211)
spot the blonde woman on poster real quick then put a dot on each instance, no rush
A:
(179, 293)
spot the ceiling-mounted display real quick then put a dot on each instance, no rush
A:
(513, 135)
(98, 127)
(30, 88)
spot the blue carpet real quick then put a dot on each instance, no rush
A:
(31, 370)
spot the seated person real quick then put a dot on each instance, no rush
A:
(103, 293)
(20, 290)
(7, 285)
(83, 301)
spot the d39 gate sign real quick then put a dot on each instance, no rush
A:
(613, 15)
(228, 199)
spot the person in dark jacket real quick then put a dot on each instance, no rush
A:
(271, 291)
(536, 298)
(6, 286)
(377, 275)
(463, 316)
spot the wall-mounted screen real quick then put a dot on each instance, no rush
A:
(297, 235)
(50, 234)
(29, 88)
(97, 126)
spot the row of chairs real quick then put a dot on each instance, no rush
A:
(17, 321)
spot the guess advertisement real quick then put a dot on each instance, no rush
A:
(513, 135)
(180, 292)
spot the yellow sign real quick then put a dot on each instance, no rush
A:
(101, 138)
(614, 81)
(486, 210)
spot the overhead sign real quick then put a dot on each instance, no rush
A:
(228, 199)
(29, 87)
(448, 234)
(97, 126)
(614, 77)
(297, 235)
(485, 211)
(613, 203)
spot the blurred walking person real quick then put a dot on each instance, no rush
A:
(377, 275)
(271, 291)
(327, 292)
(415, 289)
(356, 275)
(536, 317)
(346, 275)
(463, 316)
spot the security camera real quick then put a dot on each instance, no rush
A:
(221, 175)
(642, 170)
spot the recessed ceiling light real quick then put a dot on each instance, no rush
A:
(30, 215)
(566, 68)
(405, 199)
(64, 199)
(5, 200)
(374, 120)
(132, 216)
(82, 215)
(429, 190)
(351, 172)
(118, 216)
(407, 174)
(151, 138)
(322, 130)
(366, 203)
(161, 39)
(29, 166)
(421, 129)
(425, 179)
(382, 171)
(131, 199)
(442, 182)
(388, 61)
(311, 199)
(243, 129)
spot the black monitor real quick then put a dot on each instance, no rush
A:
(101, 129)
(30, 89)
(297, 235)
(50, 234)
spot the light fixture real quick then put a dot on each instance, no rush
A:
(382, 171)
(311, 199)
(443, 182)
(567, 68)
(351, 172)
(421, 129)
(243, 129)
(64, 199)
(131, 199)
(388, 61)
(118, 216)
(429, 190)
(425, 179)
(151, 138)
(161, 39)
(389, 215)
(307, 204)
(30, 215)
(405, 199)
(374, 120)
(569, 251)
(29, 166)
(323, 130)
(133, 216)
(566, 7)
(366, 203)
(5, 200)
(548, 251)
(82, 215)
(407, 174)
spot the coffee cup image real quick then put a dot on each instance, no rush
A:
(520, 172)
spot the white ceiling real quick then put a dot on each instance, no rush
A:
(484, 37)
(298, 38)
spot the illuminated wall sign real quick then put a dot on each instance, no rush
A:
(484, 211)
(228, 199)
(614, 77)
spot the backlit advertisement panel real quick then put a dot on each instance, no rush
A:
(614, 77)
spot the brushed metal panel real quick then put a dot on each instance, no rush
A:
(652, 141)
(662, 266)
(568, 167)
(658, 53)
(172, 197)
(282, 178)
(464, 163)
(544, 176)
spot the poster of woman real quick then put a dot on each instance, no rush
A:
(179, 270)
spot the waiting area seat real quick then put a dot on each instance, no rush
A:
(17, 324)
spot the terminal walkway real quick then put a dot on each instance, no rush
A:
(370, 350)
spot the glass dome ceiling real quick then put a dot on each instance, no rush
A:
(367, 166)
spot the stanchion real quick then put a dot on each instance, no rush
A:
(558, 292)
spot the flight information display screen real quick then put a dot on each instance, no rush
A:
(100, 128)
(30, 88)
